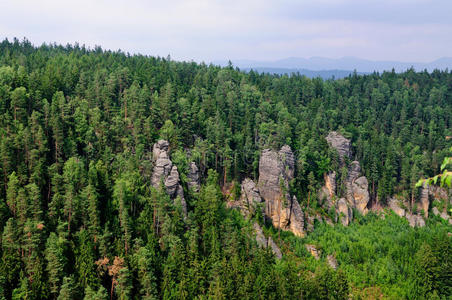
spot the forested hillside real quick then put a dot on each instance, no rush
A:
(85, 215)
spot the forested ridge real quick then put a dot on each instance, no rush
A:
(80, 219)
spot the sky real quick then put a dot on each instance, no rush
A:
(402, 30)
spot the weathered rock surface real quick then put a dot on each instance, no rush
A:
(443, 215)
(263, 242)
(328, 191)
(415, 220)
(276, 169)
(345, 211)
(340, 143)
(440, 193)
(260, 237)
(193, 177)
(165, 172)
(357, 188)
(313, 250)
(332, 261)
(275, 248)
(250, 196)
(393, 204)
(423, 199)
(250, 199)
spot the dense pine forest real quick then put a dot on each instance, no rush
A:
(81, 219)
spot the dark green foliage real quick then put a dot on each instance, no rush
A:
(79, 217)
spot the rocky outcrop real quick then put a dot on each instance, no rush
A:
(250, 199)
(357, 188)
(276, 170)
(263, 242)
(313, 250)
(394, 205)
(443, 215)
(274, 247)
(356, 185)
(423, 199)
(415, 220)
(193, 177)
(341, 144)
(332, 261)
(345, 212)
(250, 196)
(165, 172)
(328, 191)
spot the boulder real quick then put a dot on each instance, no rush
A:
(394, 205)
(341, 144)
(260, 237)
(415, 220)
(332, 261)
(275, 248)
(263, 242)
(313, 250)
(276, 169)
(193, 177)
(435, 211)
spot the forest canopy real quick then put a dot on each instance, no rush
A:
(79, 218)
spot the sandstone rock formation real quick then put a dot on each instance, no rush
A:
(313, 250)
(346, 214)
(357, 188)
(193, 177)
(328, 191)
(443, 215)
(340, 143)
(394, 204)
(249, 200)
(276, 169)
(423, 199)
(263, 242)
(356, 185)
(332, 261)
(415, 220)
(250, 196)
(165, 172)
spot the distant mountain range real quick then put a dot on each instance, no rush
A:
(339, 68)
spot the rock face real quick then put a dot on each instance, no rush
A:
(340, 143)
(443, 215)
(415, 220)
(332, 261)
(276, 169)
(193, 177)
(263, 242)
(165, 172)
(313, 250)
(249, 200)
(356, 193)
(346, 214)
(395, 206)
(357, 188)
(423, 199)
(328, 191)
(249, 197)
